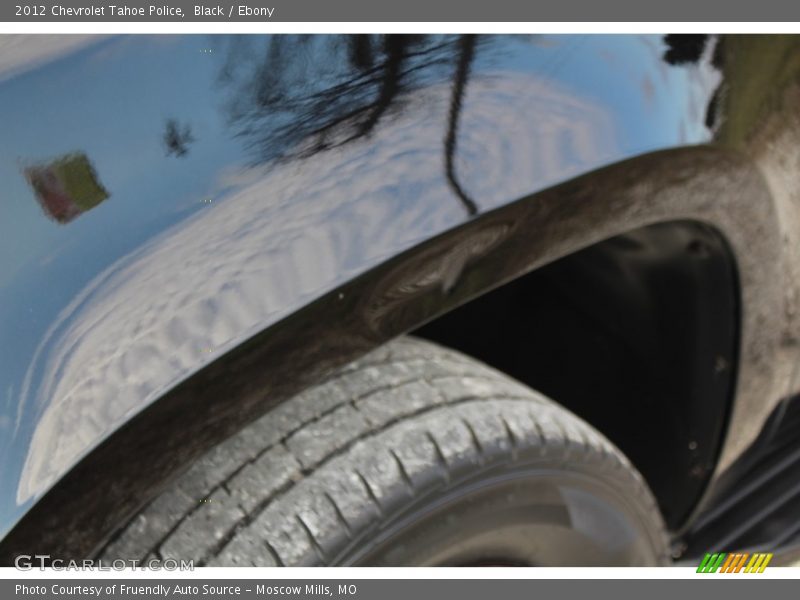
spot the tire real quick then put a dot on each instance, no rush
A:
(413, 455)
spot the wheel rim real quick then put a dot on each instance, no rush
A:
(533, 518)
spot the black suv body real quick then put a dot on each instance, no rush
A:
(196, 228)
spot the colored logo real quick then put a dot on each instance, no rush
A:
(741, 562)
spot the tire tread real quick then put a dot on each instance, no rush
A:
(325, 466)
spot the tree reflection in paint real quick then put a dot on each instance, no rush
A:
(287, 105)
(177, 138)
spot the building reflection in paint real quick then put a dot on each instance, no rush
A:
(66, 187)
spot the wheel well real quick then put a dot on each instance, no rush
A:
(637, 334)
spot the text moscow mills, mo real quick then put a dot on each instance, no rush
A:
(293, 590)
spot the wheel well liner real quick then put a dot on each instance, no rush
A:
(637, 334)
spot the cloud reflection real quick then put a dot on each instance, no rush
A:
(273, 239)
(20, 53)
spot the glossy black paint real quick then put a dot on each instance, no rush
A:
(277, 206)
(405, 291)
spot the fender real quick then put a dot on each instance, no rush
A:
(217, 269)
